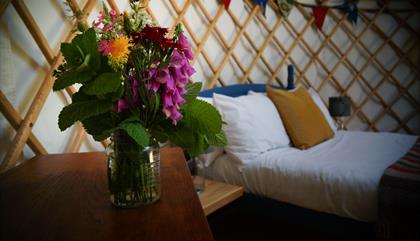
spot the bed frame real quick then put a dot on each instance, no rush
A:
(268, 215)
(342, 227)
(241, 89)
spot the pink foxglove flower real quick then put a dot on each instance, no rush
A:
(150, 80)
(162, 75)
(173, 113)
(174, 80)
(121, 106)
(135, 90)
(177, 59)
(180, 78)
(185, 46)
(188, 70)
(124, 104)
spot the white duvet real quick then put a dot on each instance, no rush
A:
(340, 176)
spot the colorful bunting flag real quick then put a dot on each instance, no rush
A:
(319, 9)
(319, 14)
(227, 3)
(263, 4)
(324, 3)
(290, 76)
(285, 6)
(350, 7)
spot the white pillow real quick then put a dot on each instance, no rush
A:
(210, 156)
(318, 101)
(253, 125)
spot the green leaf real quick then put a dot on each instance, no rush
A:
(71, 54)
(71, 77)
(183, 137)
(136, 131)
(79, 111)
(97, 125)
(103, 84)
(88, 44)
(218, 139)
(133, 118)
(103, 66)
(198, 147)
(85, 65)
(160, 136)
(81, 26)
(202, 117)
(188, 139)
(104, 135)
(192, 91)
(80, 96)
(117, 94)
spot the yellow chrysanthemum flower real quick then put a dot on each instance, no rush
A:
(119, 51)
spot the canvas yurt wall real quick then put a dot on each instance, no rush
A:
(374, 61)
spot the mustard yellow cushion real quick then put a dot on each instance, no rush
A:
(303, 120)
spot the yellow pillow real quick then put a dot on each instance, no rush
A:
(304, 122)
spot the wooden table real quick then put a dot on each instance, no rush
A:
(218, 194)
(65, 197)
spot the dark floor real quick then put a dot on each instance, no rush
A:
(247, 219)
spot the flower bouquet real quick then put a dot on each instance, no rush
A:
(135, 87)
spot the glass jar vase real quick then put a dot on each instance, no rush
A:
(133, 172)
(197, 170)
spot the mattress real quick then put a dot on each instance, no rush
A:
(339, 176)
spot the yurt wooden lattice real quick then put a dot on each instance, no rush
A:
(269, 57)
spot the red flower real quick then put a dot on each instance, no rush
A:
(156, 34)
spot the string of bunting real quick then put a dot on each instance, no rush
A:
(320, 7)
(263, 4)
(227, 3)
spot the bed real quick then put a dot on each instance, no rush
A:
(339, 176)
